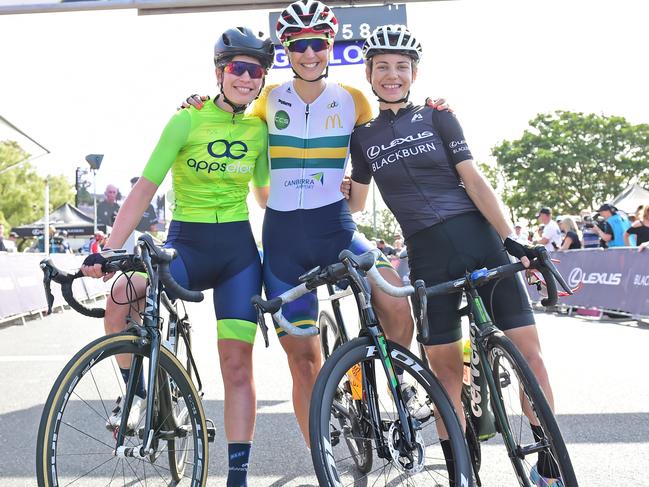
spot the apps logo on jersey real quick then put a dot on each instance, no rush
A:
(282, 120)
(235, 149)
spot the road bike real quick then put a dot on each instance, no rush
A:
(512, 391)
(76, 445)
(364, 426)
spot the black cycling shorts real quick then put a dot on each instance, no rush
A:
(444, 252)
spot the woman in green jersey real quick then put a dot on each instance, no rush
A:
(213, 155)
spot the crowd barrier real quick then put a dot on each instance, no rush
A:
(21, 283)
(609, 279)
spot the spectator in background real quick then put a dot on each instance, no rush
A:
(521, 235)
(398, 246)
(640, 228)
(589, 235)
(571, 239)
(386, 249)
(3, 247)
(617, 225)
(97, 243)
(551, 236)
(149, 219)
(107, 209)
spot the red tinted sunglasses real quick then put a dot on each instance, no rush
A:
(237, 68)
(301, 45)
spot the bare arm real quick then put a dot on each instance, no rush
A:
(484, 197)
(627, 241)
(358, 196)
(131, 212)
(261, 195)
(567, 242)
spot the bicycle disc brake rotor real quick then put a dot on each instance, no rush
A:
(411, 463)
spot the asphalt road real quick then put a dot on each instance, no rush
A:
(597, 368)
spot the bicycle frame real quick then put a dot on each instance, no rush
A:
(370, 326)
(481, 328)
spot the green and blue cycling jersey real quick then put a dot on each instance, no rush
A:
(213, 156)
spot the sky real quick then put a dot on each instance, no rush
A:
(107, 81)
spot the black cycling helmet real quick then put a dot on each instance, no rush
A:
(243, 41)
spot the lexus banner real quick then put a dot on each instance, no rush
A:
(615, 279)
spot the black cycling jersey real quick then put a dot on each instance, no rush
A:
(413, 155)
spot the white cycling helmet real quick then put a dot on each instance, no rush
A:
(389, 39)
(306, 16)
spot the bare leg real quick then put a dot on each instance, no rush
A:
(304, 361)
(115, 318)
(446, 362)
(240, 396)
(393, 313)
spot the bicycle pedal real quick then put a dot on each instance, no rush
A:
(211, 430)
(386, 424)
(505, 380)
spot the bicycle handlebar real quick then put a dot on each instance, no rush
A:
(479, 277)
(310, 281)
(116, 261)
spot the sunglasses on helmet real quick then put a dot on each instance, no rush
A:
(302, 44)
(237, 68)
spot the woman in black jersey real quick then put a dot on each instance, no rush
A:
(640, 229)
(450, 216)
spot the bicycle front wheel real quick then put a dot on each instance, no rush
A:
(334, 422)
(521, 396)
(75, 446)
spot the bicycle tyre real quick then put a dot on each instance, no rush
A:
(328, 330)
(471, 432)
(500, 349)
(331, 473)
(76, 391)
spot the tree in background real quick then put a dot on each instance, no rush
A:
(386, 225)
(22, 190)
(571, 161)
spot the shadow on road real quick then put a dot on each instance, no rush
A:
(278, 439)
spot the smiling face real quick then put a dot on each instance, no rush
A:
(391, 75)
(310, 63)
(241, 89)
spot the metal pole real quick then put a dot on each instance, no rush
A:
(94, 193)
(46, 223)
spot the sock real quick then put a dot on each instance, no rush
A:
(450, 463)
(547, 466)
(140, 391)
(238, 457)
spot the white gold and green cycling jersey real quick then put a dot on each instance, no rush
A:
(307, 221)
(308, 143)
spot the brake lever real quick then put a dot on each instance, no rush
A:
(557, 275)
(261, 322)
(47, 280)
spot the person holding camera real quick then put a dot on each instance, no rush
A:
(617, 222)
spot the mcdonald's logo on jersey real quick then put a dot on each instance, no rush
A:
(333, 121)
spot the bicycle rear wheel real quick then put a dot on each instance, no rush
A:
(515, 384)
(331, 420)
(178, 447)
(74, 446)
(329, 334)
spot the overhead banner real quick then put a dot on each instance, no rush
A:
(343, 53)
(614, 279)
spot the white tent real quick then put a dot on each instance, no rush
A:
(632, 197)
